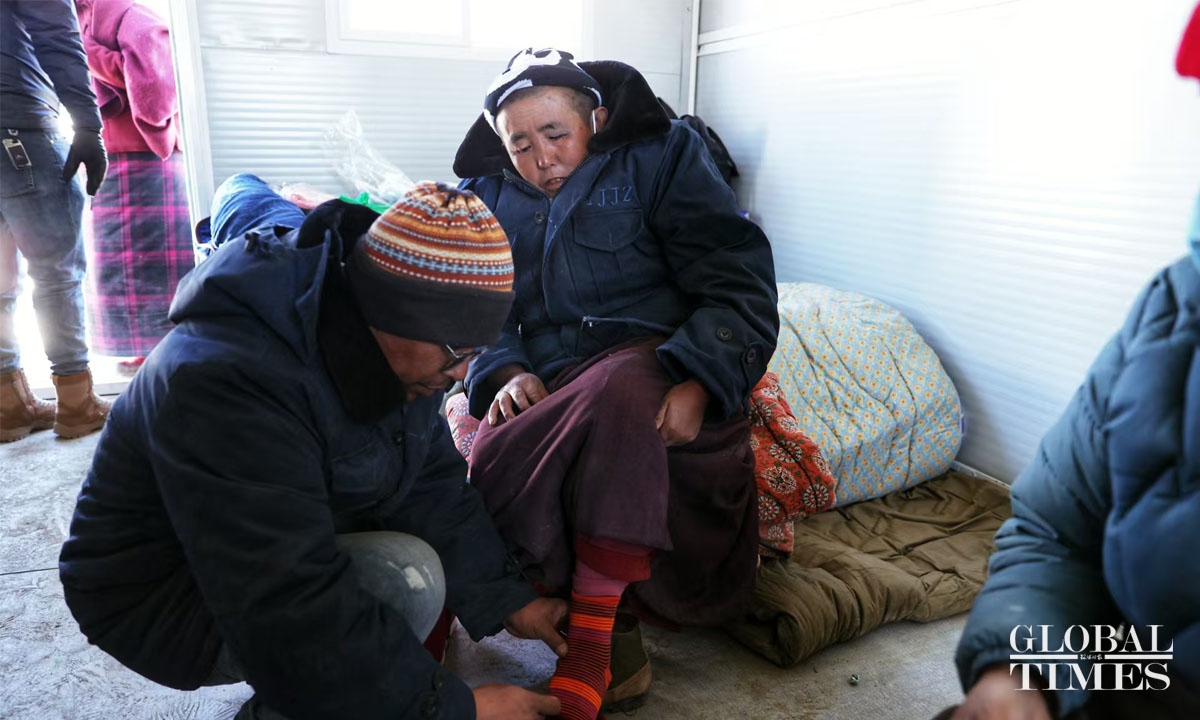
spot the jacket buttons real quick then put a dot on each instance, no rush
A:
(724, 334)
(439, 680)
(751, 355)
(539, 217)
(398, 438)
(429, 706)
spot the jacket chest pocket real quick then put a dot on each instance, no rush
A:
(612, 259)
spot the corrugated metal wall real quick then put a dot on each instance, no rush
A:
(1007, 174)
(272, 90)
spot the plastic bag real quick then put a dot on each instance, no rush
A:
(357, 163)
(305, 196)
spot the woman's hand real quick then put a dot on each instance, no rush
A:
(540, 620)
(519, 393)
(682, 413)
(998, 696)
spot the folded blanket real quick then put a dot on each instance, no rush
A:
(917, 554)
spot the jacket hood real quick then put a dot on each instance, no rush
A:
(634, 113)
(293, 282)
(101, 19)
(274, 274)
(99, 24)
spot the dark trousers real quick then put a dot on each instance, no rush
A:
(588, 460)
(386, 564)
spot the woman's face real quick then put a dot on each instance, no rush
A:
(546, 136)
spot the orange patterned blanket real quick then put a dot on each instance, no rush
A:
(793, 478)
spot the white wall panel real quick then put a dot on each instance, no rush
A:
(272, 90)
(649, 32)
(276, 24)
(721, 14)
(1007, 174)
(271, 122)
(654, 37)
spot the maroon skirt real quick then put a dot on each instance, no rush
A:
(588, 460)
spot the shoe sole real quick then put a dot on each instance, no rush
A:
(15, 434)
(71, 432)
(625, 706)
(630, 694)
(23, 431)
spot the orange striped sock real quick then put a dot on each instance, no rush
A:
(582, 676)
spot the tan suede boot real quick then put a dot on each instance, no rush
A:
(79, 410)
(21, 412)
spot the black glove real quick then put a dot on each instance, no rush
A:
(87, 148)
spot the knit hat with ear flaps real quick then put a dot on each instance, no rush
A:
(531, 68)
(435, 267)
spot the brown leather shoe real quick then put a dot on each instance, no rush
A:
(21, 412)
(79, 410)
(630, 667)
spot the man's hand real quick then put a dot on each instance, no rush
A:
(539, 620)
(998, 696)
(87, 148)
(682, 413)
(519, 393)
(509, 702)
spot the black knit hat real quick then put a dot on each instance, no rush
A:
(532, 68)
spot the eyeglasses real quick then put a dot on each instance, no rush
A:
(456, 358)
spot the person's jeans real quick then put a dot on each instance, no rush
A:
(243, 203)
(41, 216)
(401, 570)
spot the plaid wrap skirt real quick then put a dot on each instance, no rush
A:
(139, 245)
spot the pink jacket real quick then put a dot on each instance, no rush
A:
(129, 54)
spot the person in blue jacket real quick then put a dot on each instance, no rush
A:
(276, 497)
(615, 452)
(1105, 530)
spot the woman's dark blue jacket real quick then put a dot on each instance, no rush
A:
(644, 238)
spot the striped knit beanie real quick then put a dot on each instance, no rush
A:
(530, 68)
(434, 267)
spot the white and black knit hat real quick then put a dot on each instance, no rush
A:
(531, 68)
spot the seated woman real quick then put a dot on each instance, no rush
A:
(615, 457)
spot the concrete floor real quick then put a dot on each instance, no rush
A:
(49, 672)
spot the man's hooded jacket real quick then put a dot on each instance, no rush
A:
(263, 425)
